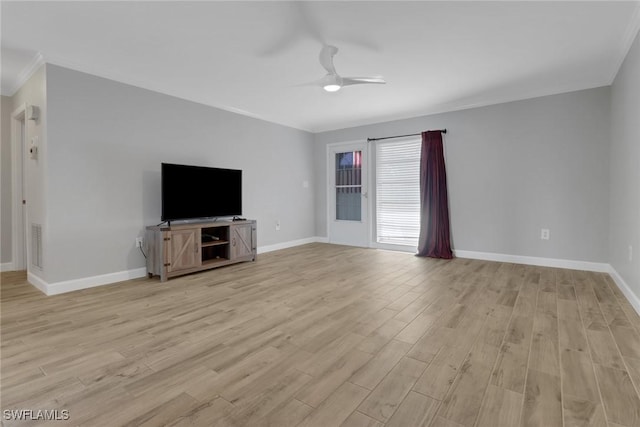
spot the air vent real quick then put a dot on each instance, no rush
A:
(36, 245)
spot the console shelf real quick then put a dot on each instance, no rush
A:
(212, 262)
(216, 243)
(186, 248)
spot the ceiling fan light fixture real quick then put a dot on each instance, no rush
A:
(331, 87)
(332, 83)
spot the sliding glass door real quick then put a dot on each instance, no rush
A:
(397, 193)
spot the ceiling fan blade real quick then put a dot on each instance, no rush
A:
(347, 81)
(326, 58)
(308, 22)
(313, 83)
(301, 25)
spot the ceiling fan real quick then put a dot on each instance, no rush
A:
(333, 82)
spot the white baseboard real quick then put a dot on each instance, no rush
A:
(120, 276)
(7, 266)
(105, 279)
(290, 244)
(626, 290)
(600, 267)
(85, 282)
(37, 282)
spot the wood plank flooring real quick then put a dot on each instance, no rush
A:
(324, 335)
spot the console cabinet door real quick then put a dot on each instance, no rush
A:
(241, 241)
(183, 249)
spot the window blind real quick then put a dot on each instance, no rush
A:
(398, 192)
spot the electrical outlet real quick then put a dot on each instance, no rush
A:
(544, 234)
(630, 253)
(278, 225)
(138, 242)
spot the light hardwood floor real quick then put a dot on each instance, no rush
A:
(323, 335)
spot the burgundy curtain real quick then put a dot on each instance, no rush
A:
(434, 239)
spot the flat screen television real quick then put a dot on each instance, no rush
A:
(190, 192)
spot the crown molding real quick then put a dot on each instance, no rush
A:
(34, 65)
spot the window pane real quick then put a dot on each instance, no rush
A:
(398, 192)
(349, 186)
(349, 168)
(348, 204)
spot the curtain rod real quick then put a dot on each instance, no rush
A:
(402, 136)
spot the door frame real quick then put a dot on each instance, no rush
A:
(20, 216)
(333, 147)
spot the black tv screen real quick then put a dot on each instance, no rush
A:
(200, 192)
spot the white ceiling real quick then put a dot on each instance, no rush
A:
(252, 57)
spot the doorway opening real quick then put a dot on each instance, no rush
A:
(19, 202)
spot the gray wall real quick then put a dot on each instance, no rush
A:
(5, 181)
(625, 170)
(513, 169)
(107, 141)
